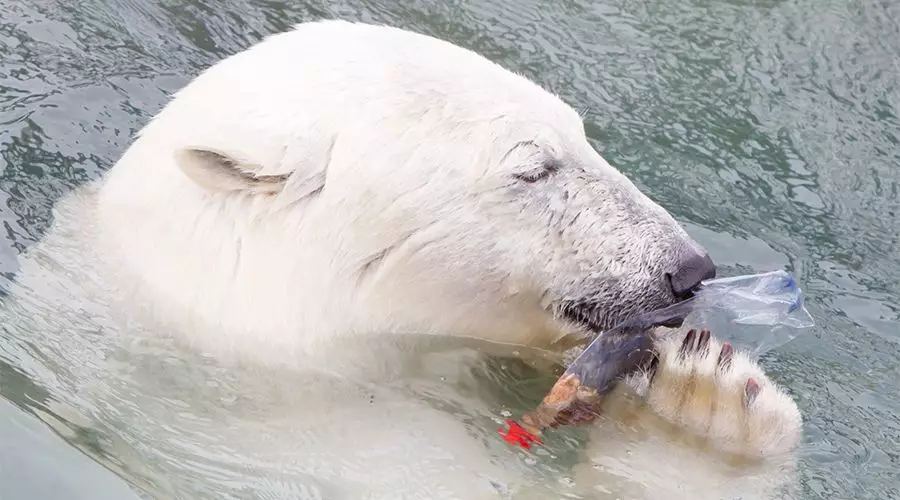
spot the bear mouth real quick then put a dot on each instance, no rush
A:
(585, 315)
(597, 318)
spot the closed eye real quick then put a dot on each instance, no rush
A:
(542, 171)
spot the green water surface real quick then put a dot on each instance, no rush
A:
(769, 128)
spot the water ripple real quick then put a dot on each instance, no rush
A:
(770, 128)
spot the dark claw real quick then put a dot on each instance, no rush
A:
(750, 392)
(688, 344)
(652, 367)
(703, 341)
(725, 357)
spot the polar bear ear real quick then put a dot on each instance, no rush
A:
(218, 172)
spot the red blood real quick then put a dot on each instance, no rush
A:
(518, 435)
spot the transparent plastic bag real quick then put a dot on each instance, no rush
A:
(736, 308)
(755, 313)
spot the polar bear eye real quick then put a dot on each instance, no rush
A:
(535, 174)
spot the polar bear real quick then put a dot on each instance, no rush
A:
(343, 183)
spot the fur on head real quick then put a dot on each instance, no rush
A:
(349, 177)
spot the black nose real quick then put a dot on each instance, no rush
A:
(690, 272)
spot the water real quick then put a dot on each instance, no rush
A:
(770, 129)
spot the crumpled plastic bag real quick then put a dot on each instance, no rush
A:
(736, 308)
(758, 313)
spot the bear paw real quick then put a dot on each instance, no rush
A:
(711, 390)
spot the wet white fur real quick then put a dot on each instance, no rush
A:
(401, 215)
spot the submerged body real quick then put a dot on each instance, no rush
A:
(357, 421)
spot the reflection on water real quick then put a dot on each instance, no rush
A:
(770, 128)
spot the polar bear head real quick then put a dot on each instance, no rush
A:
(349, 177)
